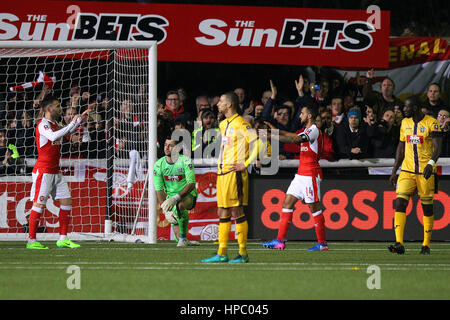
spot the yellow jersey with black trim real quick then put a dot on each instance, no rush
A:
(418, 142)
(237, 136)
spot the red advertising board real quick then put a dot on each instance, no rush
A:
(354, 209)
(360, 208)
(88, 190)
(207, 33)
(88, 196)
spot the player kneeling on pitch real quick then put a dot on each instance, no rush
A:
(174, 176)
(47, 178)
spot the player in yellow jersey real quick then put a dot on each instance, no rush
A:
(418, 150)
(239, 148)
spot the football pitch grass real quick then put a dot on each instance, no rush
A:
(122, 271)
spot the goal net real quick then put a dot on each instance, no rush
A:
(106, 160)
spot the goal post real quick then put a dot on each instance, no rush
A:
(107, 160)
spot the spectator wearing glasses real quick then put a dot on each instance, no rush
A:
(282, 117)
(173, 104)
(443, 118)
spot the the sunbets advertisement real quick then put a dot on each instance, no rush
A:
(207, 33)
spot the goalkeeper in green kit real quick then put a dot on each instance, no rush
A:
(174, 181)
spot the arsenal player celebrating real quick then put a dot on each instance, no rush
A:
(306, 184)
(47, 179)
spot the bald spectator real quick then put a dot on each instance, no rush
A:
(434, 102)
(383, 100)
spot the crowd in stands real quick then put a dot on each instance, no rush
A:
(357, 122)
(21, 111)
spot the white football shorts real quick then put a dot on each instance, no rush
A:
(305, 188)
(47, 184)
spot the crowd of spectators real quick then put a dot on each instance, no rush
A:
(357, 122)
(21, 111)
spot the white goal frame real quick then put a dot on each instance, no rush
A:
(152, 135)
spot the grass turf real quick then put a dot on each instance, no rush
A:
(111, 270)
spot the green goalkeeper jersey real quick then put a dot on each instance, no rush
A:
(173, 177)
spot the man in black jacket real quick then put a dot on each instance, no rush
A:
(384, 136)
(351, 138)
(434, 102)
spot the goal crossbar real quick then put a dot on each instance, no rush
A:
(77, 44)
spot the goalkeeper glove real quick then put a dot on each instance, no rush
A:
(171, 217)
(168, 204)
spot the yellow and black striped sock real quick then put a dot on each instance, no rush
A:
(427, 230)
(224, 234)
(241, 234)
(399, 226)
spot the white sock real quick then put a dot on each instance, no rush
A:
(30, 241)
(62, 237)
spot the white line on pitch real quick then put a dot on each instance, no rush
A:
(221, 267)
